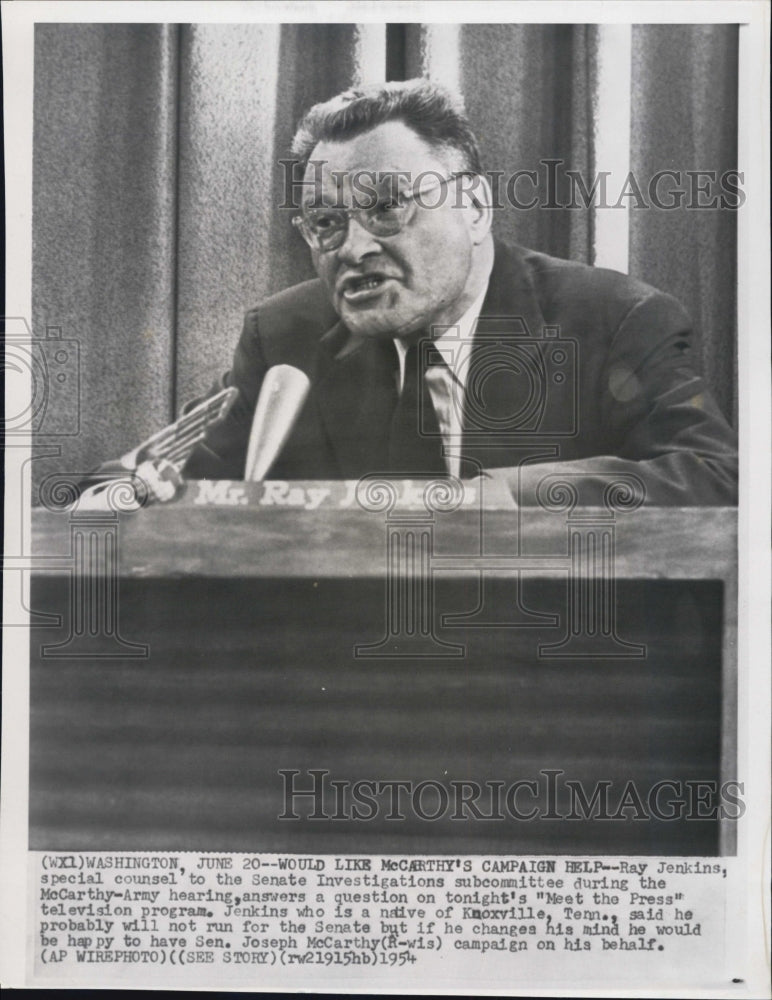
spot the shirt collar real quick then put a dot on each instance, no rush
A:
(455, 343)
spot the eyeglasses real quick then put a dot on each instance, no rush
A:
(325, 228)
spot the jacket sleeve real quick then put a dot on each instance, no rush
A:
(222, 453)
(672, 444)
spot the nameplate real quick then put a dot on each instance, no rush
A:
(375, 494)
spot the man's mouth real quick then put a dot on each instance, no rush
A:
(361, 288)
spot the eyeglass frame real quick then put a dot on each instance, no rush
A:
(361, 214)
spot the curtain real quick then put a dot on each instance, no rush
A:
(158, 182)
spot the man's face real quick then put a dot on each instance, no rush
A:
(393, 285)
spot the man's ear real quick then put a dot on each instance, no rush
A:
(477, 196)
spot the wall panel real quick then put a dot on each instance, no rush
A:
(526, 88)
(104, 204)
(684, 117)
(228, 84)
(243, 89)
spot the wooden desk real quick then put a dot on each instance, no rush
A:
(252, 614)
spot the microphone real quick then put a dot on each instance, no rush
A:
(281, 399)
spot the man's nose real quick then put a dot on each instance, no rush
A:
(359, 243)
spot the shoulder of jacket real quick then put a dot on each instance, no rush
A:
(579, 283)
(289, 325)
(307, 302)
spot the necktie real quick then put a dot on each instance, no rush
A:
(415, 444)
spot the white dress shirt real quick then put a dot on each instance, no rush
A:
(447, 383)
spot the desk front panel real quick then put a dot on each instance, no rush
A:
(249, 676)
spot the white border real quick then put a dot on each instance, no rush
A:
(18, 38)
(393, 11)
(755, 511)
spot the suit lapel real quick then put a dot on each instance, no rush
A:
(501, 399)
(356, 393)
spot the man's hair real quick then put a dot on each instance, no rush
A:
(430, 110)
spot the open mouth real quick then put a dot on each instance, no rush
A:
(361, 289)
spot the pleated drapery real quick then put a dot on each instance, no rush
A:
(158, 179)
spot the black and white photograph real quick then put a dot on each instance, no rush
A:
(387, 497)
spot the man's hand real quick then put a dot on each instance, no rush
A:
(161, 478)
(155, 480)
(155, 463)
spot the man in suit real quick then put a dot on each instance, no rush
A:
(431, 348)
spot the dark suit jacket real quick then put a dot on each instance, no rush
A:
(586, 373)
